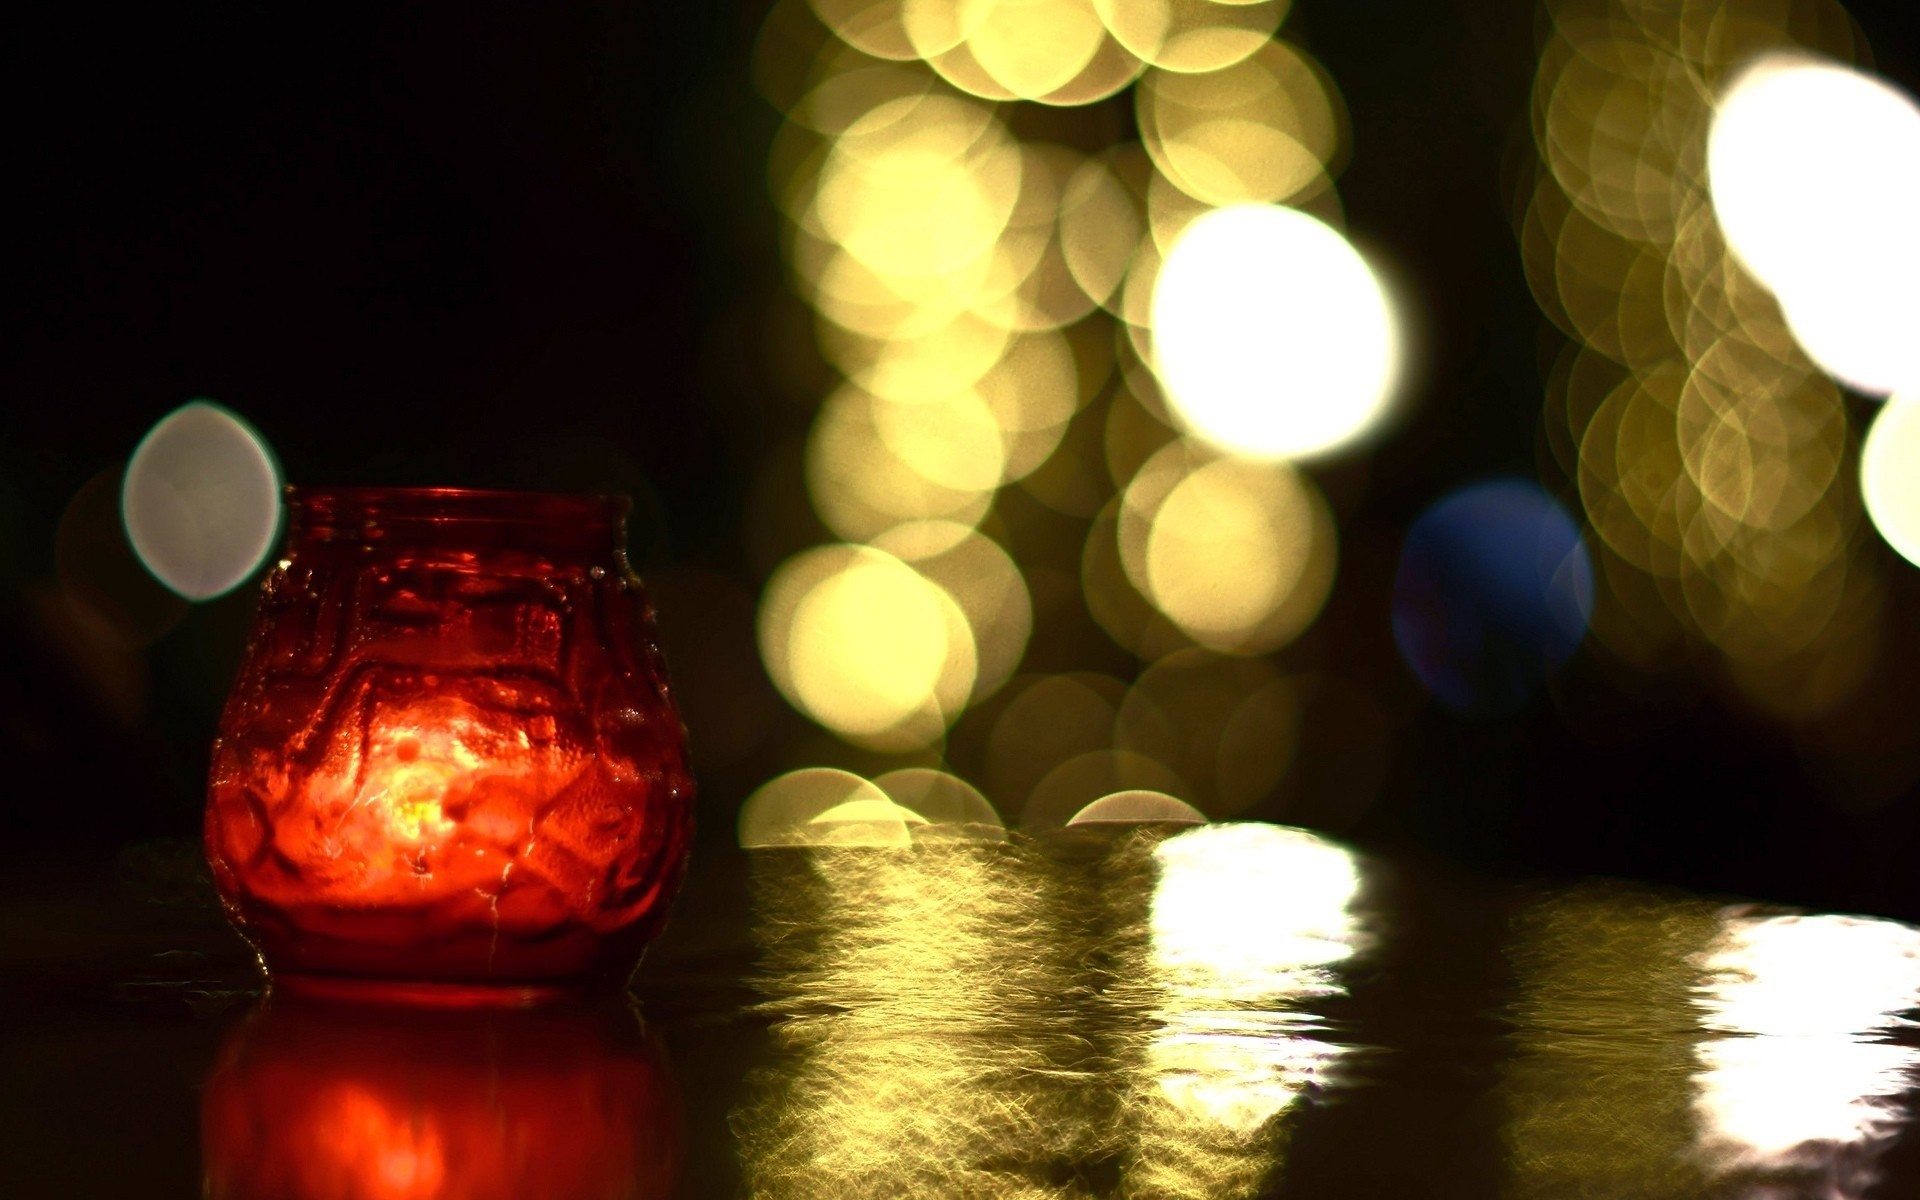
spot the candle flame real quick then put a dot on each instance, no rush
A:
(411, 770)
(431, 777)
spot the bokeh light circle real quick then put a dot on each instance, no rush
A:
(1084, 779)
(983, 580)
(861, 488)
(1272, 335)
(1192, 35)
(866, 645)
(1815, 176)
(822, 806)
(1034, 48)
(1493, 592)
(1238, 555)
(201, 500)
(1048, 720)
(1227, 549)
(1889, 480)
(954, 810)
(1139, 807)
(1265, 129)
(1228, 726)
(920, 186)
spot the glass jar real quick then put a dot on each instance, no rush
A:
(451, 757)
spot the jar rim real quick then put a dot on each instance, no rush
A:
(451, 504)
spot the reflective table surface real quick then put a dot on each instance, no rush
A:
(1233, 1010)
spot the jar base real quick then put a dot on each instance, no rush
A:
(410, 993)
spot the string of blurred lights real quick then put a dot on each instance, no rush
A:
(1085, 258)
(1689, 230)
(1146, 335)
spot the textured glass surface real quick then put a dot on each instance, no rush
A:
(451, 754)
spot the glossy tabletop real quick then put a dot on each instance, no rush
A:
(1235, 1010)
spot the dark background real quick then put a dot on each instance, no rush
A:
(531, 246)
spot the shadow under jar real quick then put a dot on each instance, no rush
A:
(451, 766)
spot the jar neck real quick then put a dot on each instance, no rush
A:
(398, 522)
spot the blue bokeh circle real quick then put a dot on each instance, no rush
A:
(1493, 593)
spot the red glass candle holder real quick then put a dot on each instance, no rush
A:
(451, 757)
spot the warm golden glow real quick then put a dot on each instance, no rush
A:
(1215, 518)
(873, 26)
(952, 440)
(1034, 48)
(1705, 444)
(822, 806)
(1032, 392)
(982, 579)
(1239, 555)
(1264, 129)
(1191, 35)
(922, 1050)
(1099, 227)
(1139, 808)
(961, 1019)
(1229, 547)
(995, 65)
(920, 186)
(1598, 1090)
(797, 809)
(1048, 721)
(926, 364)
(1075, 785)
(1272, 335)
(950, 806)
(866, 645)
(968, 260)
(861, 488)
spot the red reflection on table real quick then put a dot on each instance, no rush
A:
(311, 1100)
(451, 754)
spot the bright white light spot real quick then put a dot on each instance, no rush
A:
(1815, 176)
(1248, 920)
(1248, 902)
(1807, 1008)
(201, 500)
(1889, 481)
(1272, 335)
